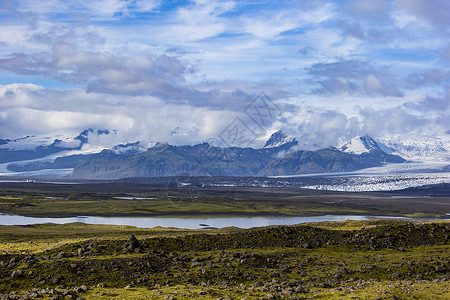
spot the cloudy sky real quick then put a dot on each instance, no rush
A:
(183, 71)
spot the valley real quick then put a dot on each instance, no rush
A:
(122, 198)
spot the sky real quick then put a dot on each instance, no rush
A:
(188, 71)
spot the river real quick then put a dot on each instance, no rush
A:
(194, 222)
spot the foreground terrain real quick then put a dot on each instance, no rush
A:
(380, 259)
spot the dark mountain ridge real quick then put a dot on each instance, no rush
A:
(206, 160)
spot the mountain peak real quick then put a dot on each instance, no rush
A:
(84, 136)
(360, 145)
(277, 139)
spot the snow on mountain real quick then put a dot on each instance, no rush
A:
(360, 145)
(32, 152)
(88, 141)
(277, 139)
(32, 142)
(104, 138)
(419, 148)
(130, 148)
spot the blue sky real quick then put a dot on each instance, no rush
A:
(336, 69)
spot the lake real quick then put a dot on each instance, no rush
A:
(194, 222)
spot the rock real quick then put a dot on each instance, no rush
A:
(257, 284)
(81, 289)
(439, 269)
(131, 245)
(17, 273)
(81, 251)
(300, 289)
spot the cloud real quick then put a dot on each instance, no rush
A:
(198, 20)
(435, 12)
(99, 10)
(29, 109)
(353, 77)
(378, 11)
(142, 74)
(430, 77)
(100, 72)
(81, 35)
(322, 129)
(158, 75)
(317, 126)
(431, 104)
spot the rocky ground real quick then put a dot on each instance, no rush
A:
(381, 259)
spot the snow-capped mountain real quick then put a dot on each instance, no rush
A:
(419, 148)
(63, 141)
(130, 148)
(277, 139)
(33, 142)
(33, 153)
(360, 145)
(92, 150)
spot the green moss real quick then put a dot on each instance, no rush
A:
(411, 260)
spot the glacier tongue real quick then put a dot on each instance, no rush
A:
(383, 182)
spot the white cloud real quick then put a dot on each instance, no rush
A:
(433, 11)
(98, 10)
(268, 26)
(197, 21)
(354, 77)
(34, 110)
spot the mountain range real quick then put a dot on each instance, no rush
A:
(280, 156)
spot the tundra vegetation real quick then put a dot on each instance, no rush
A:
(379, 259)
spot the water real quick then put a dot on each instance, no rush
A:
(194, 222)
(133, 198)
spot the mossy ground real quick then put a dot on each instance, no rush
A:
(381, 259)
(380, 290)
